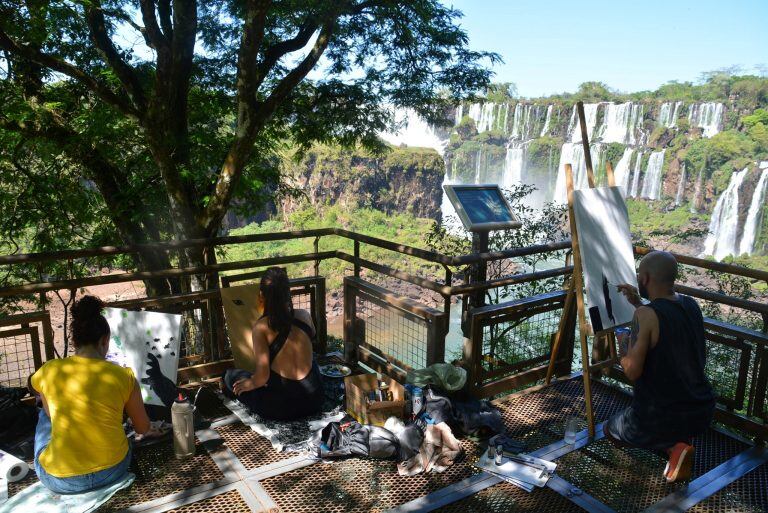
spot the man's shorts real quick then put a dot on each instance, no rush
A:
(625, 427)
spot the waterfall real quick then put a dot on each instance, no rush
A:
(707, 116)
(513, 166)
(506, 116)
(754, 215)
(616, 123)
(680, 187)
(590, 116)
(675, 114)
(652, 180)
(459, 115)
(621, 173)
(635, 125)
(478, 158)
(664, 113)
(669, 113)
(723, 227)
(573, 154)
(546, 121)
(517, 120)
(414, 131)
(636, 176)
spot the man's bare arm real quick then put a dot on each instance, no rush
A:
(635, 348)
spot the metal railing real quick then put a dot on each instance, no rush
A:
(394, 333)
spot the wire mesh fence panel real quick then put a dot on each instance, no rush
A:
(510, 345)
(17, 360)
(396, 334)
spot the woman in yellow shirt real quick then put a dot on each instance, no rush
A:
(80, 443)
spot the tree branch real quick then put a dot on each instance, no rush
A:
(164, 13)
(243, 144)
(61, 66)
(253, 35)
(156, 38)
(275, 52)
(124, 72)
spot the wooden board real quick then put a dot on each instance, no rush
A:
(607, 258)
(242, 309)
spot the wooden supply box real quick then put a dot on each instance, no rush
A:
(376, 413)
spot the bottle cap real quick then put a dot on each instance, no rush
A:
(180, 399)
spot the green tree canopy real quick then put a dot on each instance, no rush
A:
(164, 111)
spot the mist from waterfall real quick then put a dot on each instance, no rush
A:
(754, 215)
(721, 240)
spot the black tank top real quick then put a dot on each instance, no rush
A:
(673, 380)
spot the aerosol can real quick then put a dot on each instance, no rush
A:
(183, 420)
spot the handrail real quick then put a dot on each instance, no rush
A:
(165, 273)
(712, 265)
(30, 258)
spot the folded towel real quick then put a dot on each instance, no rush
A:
(40, 499)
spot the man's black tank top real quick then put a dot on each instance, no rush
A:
(673, 382)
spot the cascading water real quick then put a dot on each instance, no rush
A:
(668, 114)
(636, 176)
(616, 125)
(635, 133)
(621, 173)
(723, 227)
(707, 116)
(513, 166)
(590, 118)
(573, 154)
(680, 187)
(754, 215)
(414, 131)
(652, 180)
(459, 115)
(546, 121)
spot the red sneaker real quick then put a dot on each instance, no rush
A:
(680, 464)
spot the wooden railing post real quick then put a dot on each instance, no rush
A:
(350, 322)
(320, 316)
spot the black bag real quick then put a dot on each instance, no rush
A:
(17, 420)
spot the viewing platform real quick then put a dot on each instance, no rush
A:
(506, 351)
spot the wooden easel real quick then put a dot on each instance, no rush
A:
(576, 286)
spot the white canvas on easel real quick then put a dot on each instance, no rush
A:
(607, 258)
(137, 334)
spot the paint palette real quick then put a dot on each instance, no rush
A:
(136, 335)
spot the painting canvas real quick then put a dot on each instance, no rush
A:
(140, 337)
(607, 259)
(241, 310)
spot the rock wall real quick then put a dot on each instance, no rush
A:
(402, 180)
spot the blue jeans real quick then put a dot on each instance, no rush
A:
(74, 484)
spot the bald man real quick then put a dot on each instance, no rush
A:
(664, 356)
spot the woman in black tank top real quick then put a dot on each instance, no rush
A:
(286, 384)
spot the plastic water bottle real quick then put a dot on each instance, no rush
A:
(417, 400)
(571, 428)
(183, 420)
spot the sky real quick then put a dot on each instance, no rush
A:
(551, 46)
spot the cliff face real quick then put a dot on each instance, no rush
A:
(403, 180)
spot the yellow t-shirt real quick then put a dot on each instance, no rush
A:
(85, 398)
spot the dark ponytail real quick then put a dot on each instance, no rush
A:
(278, 307)
(88, 325)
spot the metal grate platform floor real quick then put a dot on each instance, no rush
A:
(235, 470)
